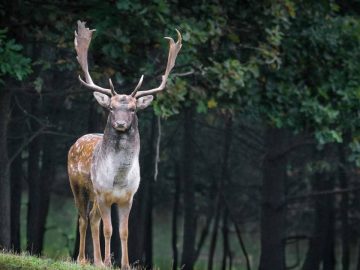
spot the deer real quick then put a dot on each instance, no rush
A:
(104, 168)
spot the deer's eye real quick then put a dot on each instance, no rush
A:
(111, 108)
(132, 110)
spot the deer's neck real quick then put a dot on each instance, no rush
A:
(115, 142)
(116, 160)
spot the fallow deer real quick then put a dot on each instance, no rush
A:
(104, 168)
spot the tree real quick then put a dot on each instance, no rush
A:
(14, 66)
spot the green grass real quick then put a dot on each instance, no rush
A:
(9, 261)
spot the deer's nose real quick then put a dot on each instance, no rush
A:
(120, 124)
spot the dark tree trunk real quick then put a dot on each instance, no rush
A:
(46, 177)
(226, 244)
(344, 211)
(214, 235)
(272, 208)
(175, 214)
(136, 227)
(16, 190)
(41, 171)
(313, 257)
(224, 179)
(5, 203)
(358, 256)
(115, 238)
(148, 247)
(17, 174)
(140, 223)
(322, 243)
(328, 256)
(32, 232)
(189, 236)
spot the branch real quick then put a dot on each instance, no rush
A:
(24, 111)
(157, 148)
(26, 143)
(184, 74)
(297, 142)
(321, 193)
(237, 229)
(55, 133)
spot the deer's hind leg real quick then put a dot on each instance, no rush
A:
(82, 204)
(95, 225)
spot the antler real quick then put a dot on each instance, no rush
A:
(82, 41)
(173, 52)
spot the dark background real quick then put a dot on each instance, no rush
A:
(257, 132)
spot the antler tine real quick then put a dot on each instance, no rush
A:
(113, 92)
(138, 86)
(82, 41)
(173, 52)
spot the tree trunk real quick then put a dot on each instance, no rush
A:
(358, 256)
(213, 240)
(5, 203)
(273, 208)
(148, 246)
(17, 174)
(219, 201)
(322, 243)
(189, 236)
(46, 176)
(344, 211)
(41, 151)
(140, 223)
(328, 256)
(226, 244)
(175, 214)
(33, 186)
(115, 237)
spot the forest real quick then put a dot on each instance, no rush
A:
(249, 158)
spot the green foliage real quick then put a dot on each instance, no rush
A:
(12, 62)
(290, 64)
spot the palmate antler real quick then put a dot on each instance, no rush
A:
(173, 52)
(82, 41)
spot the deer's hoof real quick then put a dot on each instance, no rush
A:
(107, 262)
(99, 264)
(81, 261)
(125, 267)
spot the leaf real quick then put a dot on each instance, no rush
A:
(212, 103)
(38, 84)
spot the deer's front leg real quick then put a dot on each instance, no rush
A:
(124, 211)
(105, 212)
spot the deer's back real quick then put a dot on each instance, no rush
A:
(79, 161)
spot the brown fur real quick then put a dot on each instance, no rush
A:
(79, 165)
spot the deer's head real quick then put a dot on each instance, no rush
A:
(122, 108)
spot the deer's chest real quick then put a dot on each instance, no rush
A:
(117, 175)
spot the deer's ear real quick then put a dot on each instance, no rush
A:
(102, 99)
(143, 102)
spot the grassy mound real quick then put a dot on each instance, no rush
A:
(9, 261)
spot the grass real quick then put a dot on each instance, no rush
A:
(9, 261)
